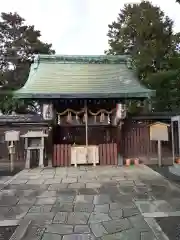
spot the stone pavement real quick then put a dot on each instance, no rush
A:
(87, 203)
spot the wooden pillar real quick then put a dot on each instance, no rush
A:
(12, 155)
(178, 136)
(172, 136)
(86, 129)
(119, 144)
(28, 159)
(86, 122)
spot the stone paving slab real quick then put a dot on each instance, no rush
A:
(60, 229)
(79, 237)
(40, 209)
(78, 218)
(50, 236)
(98, 229)
(82, 229)
(83, 207)
(125, 235)
(62, 207)
(103, 208)
(115, 226)
(85, 203)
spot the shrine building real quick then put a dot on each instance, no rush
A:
(84, 100)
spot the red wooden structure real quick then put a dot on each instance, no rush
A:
(107, 154)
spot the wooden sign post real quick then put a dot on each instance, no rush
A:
(11, 137)
(159, 133)
(159, 154)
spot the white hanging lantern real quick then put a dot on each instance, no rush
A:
(120, 111)
(48, 113)
(120, 114)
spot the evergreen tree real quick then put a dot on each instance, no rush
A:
(18, 41)
(146, 33)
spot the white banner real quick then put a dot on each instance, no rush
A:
(48, 113)
(120, 111)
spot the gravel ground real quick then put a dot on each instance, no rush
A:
(8, 173)
(6, 232)
(164, 171)
(170, 226)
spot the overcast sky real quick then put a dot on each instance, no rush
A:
(78, 26)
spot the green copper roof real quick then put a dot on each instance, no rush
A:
(53, 76)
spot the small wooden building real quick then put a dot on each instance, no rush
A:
(21, 123)
(85, 93)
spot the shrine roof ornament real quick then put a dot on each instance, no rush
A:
(82, 76)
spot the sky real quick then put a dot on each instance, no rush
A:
(78, 26)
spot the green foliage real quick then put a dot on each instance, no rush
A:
(167, 88)
(18, 42)
(146, 33)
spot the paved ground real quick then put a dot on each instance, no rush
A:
(87, 203)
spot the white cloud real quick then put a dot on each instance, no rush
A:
(77, 26)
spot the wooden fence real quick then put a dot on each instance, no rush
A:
(62, 154)
(108, 154)
(136, 142)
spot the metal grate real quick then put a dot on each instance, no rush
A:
(6, 232)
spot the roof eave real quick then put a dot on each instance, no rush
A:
(125, 95)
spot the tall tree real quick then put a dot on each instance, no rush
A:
(146, 33)
(18, 41)
(143, 31)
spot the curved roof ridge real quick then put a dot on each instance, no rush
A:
(84, 58)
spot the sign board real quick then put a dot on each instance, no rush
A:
(159, 131)
(12, 136)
